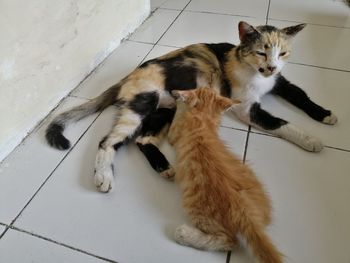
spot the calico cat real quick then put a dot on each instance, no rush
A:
(245, 72)
(221, 195)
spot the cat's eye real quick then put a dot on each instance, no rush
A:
(283, 54)
(259, 53)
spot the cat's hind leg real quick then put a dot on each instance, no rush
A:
(129, 121)
(193, 237)
(154, 127)
(125, 128)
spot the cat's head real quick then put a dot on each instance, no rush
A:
(266, 48)
(204, 99)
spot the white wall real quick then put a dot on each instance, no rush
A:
(46, 49)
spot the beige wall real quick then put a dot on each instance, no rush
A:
(47, 47)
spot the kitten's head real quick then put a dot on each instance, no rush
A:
(204, 99)
(266, 48)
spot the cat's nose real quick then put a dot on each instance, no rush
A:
(271, 68)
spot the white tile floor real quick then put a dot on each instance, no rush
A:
(50, 210)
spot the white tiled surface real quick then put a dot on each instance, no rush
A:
(321, 46)
(169, 4)
(310, 192)
(193, 27)
(38, 250)
(2, 229)
(114, 68)
(152, 29)
(22, 173)
(231, 7)
(322, 12)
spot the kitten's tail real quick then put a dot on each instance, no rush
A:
(258, 241)
(54, 132)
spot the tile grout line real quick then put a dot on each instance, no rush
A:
(246, 16)
(172, 23)
(274, 136)
(223, 14)
(233, 128)
(150, 43)
(321, 67)
(289, 62)
(313, 24)
(156, 43)
(268, 12)
(50, 175)
(228, 256)
(61, 244)
(246, 145)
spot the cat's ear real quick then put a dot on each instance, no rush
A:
(245, 30)
(186, 96)
(226, 103)
(291, 31)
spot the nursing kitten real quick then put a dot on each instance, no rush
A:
(245, 72)
(221, 195)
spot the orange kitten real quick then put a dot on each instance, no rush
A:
(221, 195)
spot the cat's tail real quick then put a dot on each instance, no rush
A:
(54, 132)
(256, 238)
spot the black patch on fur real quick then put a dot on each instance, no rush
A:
(144, 103)
(148, 62)
(55, 137)
(156, 159)
(267, 28)
(299, 98)
(119, 102)
(221, 50)
(156, 121)
(264, 119)
(101, 144)
(178, 75)
(118, 145)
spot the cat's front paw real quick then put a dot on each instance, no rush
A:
(104, 179)
(168, 173)
(330, 119)
(181, 234)
(311, 144)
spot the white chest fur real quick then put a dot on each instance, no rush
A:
(251, 86)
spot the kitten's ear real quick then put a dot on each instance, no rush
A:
(246, 30)
(185, 96)
(226, 103)
(291, 31)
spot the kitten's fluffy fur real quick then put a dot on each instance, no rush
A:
(221, 195)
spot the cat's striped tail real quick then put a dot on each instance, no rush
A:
(256, 238)
(54, 132)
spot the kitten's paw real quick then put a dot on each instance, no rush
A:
(311, 144)
(331, 119)
(169, 173)
(181, 234)
(104, 179)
